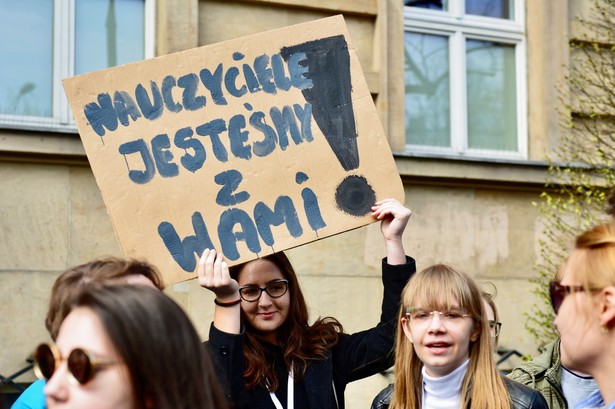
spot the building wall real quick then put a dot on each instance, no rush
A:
(477, 215)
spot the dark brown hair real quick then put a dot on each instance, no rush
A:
(300, 341)
(70, 283)
(166, 361)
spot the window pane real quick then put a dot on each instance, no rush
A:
(492, 98)
(428, 4)
(108, 33)
(26, 67)
(491, 8)
(427, 90)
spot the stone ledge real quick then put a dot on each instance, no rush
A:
(45, 147)
(501, 174)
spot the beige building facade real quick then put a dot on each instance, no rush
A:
(475, 212)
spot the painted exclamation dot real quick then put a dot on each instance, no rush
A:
(327, 63)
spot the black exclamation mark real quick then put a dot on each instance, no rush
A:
(328, 63)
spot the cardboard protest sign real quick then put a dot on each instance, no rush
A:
(249, 146)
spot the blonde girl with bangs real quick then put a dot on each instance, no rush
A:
(443, 352)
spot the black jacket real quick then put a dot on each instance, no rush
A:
(356, 356)
(521, 397)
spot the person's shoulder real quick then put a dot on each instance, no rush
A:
(383, 399)
(32, 398)
(536, 369)
(524, 397)
(594, 400)
(526, 373)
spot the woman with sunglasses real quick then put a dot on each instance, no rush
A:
(269, 355)
(584, 302)
(561, 386)
(443, 352)
(127, 347)
(65, 290)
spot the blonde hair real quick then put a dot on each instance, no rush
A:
(439, 287)
(593, 258)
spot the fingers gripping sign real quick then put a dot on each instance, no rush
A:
(213, 274)
(393, 217)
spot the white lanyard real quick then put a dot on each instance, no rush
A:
(291, 395)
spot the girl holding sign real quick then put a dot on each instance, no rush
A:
(269, 356)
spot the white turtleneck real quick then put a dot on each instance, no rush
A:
(444, 392)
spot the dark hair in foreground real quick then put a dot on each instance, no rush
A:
(300, 341)
(70, 283)
(168, 366)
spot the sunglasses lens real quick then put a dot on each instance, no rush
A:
(556, 296)
(79, 366)
(45, 362)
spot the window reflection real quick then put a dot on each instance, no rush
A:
(108, 33)
(427, 90)
(427, 4)
(37, 54)
(26, 54)
(491, 90)
(490, 8)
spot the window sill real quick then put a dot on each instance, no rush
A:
(508, 174)
(48, 147)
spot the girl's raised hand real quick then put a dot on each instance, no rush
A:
(394, 217)
(214, 275)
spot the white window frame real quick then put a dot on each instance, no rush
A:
(459, 27)
(63, 66)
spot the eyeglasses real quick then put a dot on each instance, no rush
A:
(559, 292)
(422, 316)
(82, 364)
(494, 327)
(275, 289)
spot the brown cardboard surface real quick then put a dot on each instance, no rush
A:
(251, 146)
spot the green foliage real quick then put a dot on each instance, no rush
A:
(582, 171)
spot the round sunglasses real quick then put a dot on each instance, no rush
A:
(82, 364)
(558, 292)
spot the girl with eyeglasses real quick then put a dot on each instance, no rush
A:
(268, 353)
(584, 301)
(127, 347)
(443, 353)
(493, 319)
